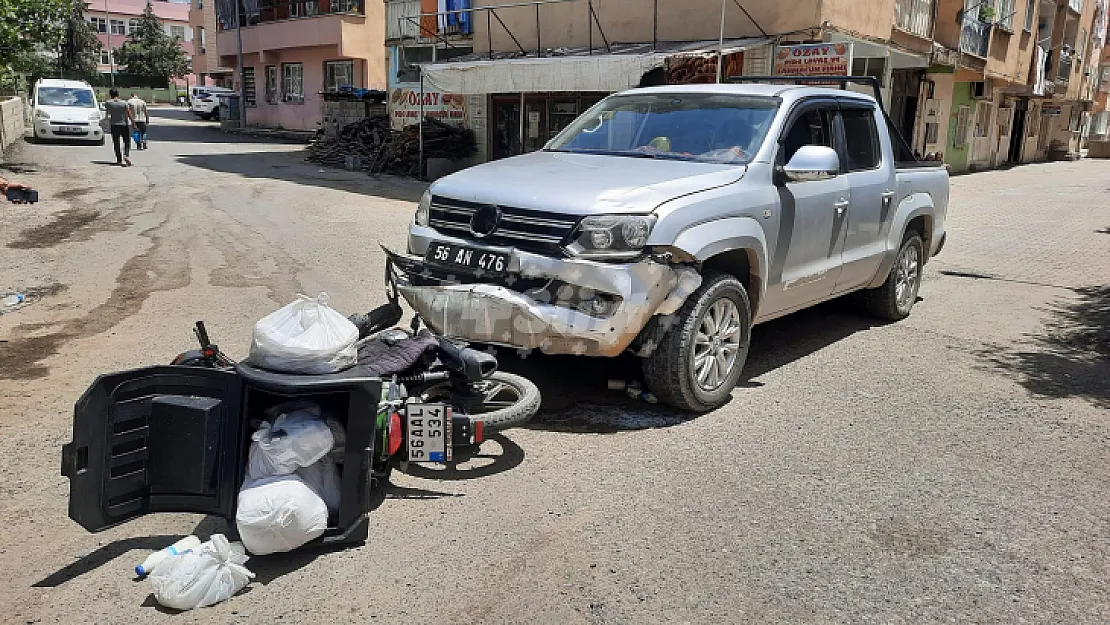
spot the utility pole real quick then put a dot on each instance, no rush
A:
(242, 70)
(111, 56)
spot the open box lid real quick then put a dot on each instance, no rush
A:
(160, 439)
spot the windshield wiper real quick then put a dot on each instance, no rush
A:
(628, 153)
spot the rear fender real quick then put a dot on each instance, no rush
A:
(912, 207)
(706, 240)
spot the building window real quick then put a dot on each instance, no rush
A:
(200, 36)
(932, 132)
(1004, 14)
(200, 4)
(337, 74)
(248, 86)
(178, 31)
(963, 115)
(292, 82)
(305, 8)
(271, 84)
(982, 119)
(105, 56)
(1030, 13)
(870, 67)
(119, 27)
(132, 25)
(99, 24)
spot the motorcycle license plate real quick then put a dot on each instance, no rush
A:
(478, 260)
(428, 433)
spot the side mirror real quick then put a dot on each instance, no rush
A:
(812, 162)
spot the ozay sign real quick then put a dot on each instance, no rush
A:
(405, 106)
(812, 59)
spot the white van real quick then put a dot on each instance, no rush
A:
(66, 109)
(206, 102)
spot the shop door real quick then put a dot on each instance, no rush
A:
(560, 115)
(904, 96)
(506, 129)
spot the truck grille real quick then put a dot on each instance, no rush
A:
(530, 230)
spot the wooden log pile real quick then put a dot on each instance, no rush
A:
(371, 145)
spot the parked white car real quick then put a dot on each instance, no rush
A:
(206, 101)
(66, 110)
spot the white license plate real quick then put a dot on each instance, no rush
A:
(428, 433)
(72, 130)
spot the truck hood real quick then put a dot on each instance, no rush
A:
(584, 184)
(69, 113)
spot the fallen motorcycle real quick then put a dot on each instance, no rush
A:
(176, 438)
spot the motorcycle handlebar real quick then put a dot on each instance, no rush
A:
(470, 363)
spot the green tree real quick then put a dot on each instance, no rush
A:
(79, 49)
(29, 26)
(149, 51)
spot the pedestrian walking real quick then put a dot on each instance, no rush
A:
(141, 117)
(119, 114)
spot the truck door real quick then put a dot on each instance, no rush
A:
(869, 162)
(806, 259)
(161, 439)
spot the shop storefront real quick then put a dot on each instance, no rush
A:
(545, 115)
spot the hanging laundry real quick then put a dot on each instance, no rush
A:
(428, 9)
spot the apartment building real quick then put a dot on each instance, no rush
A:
(1100, 120)
(114, 20)
(206, 62)
(966, 78)
(293, 50)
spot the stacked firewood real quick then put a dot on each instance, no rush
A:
(372, 146)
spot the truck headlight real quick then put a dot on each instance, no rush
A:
(41, 114)
(611, 236)
(94, 117)
(423, 209)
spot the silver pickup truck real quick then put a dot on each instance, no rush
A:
(668, 221)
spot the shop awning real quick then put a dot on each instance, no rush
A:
(567, 69)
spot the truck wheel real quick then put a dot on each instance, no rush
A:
(701, 356)
(896, 297)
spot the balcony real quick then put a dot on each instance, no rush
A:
(915, 17)
(404, 22)
(346, 32)
(278, 10)
(975, 36)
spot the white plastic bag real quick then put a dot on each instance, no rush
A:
(323, 478)
(280, 513)
(295, 439)
(210, 574)
(306, 336)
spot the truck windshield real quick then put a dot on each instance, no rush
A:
(66, 96)
(703, 127)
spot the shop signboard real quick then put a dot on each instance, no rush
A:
(404, 107)
(812, 59)
(1052, 110)
(692, 69)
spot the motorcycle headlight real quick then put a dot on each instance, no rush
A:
(611, 236)
(423, 209)
(41, 114)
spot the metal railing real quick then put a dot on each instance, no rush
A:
(975, 36)
(276, 10)
(917, 17)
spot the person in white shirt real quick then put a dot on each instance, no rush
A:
(142, 118)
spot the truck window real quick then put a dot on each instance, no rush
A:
(862, 139)
(813, 127)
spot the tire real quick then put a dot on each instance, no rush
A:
(671, 373)
(206, 116)
(523, 397)
(884, 302)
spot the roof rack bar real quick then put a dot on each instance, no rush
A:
(840, 80)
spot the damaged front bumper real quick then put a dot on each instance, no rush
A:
(556, 305)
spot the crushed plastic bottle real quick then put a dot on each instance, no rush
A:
(14, 299)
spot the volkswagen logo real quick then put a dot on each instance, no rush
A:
(485, 220)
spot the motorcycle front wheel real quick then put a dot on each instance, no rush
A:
(508, 400)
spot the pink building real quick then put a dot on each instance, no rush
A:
(113, 21)
(294, 50)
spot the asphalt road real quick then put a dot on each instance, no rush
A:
(948, 468)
